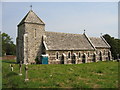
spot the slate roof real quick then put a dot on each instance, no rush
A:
(67, 41)
(31, 17)
(99, 42)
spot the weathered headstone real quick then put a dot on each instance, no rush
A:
(11, 67)
(20, 68)
(26, 72)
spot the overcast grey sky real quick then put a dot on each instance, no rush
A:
(68, 17)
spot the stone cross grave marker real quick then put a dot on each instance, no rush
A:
(26, 72)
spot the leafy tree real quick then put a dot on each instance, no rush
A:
(0, 44)
(8, 47)
(114, 43)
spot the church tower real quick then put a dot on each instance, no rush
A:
(29, 38)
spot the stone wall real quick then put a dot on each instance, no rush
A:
(19, 43)
(104, 52)
(35, 33)
(91, 56)
(34, 42)
(9, 57)
(53, 60)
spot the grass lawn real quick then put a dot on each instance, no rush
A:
(89, 75)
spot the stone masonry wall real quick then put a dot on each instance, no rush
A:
(20, 46)
(53, 60)
(90, 56)
(35, 33)
(104, 53)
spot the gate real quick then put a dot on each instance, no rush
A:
(44, 59)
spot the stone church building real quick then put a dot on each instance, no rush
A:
(34, 43)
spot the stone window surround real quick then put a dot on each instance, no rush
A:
(79, 54)
(69, 53)
(88, 54)
(57, 55)
(97, 51)
(100, 52)
(104, 52)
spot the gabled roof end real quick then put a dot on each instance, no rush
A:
(31, 17)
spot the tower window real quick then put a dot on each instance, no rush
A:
(35, 32)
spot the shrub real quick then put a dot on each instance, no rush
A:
(37, 60)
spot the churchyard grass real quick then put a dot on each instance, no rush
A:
(89, 75)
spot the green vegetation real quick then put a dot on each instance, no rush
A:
(115, 45)
(89, 75)
(8, 47)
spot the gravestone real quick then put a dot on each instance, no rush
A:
(11, 67)
(20, 68)
(26, 72)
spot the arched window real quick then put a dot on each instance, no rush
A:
(88, 54)
(79, 55)
(104, 52)
(100, 55)
(69, 54)
(84, 58)
(57, 55)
